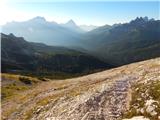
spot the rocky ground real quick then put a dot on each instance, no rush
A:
(107, 95)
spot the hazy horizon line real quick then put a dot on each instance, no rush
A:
(75, 21)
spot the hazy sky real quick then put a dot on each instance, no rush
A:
(91, 12)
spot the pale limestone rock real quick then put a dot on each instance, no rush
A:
(138, 118)
(150, 107)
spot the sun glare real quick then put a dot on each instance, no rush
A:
(9, 13)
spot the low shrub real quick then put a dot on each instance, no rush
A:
(25, 80)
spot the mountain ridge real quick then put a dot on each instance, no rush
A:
(21, 56)
(40, 30)
(117, 45)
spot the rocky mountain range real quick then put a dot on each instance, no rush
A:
(125, 43)
(40, 30)
(20, 56)
(111, 46)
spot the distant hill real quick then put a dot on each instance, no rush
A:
(125, 43)
(19, 55)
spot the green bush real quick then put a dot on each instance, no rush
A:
(25, 80)
(42, 79)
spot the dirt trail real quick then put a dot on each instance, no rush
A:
(100, 96)
(86, 106)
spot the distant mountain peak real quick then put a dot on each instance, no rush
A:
(11, 35)
(38, 19)
(140, 20)
(71, 23)
(145, 18)
(72, 26)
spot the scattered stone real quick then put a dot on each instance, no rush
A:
(150, 107)
(138, 118)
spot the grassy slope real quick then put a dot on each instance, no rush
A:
(12, 84)
(42, 98)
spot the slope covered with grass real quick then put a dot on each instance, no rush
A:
(120, 93)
